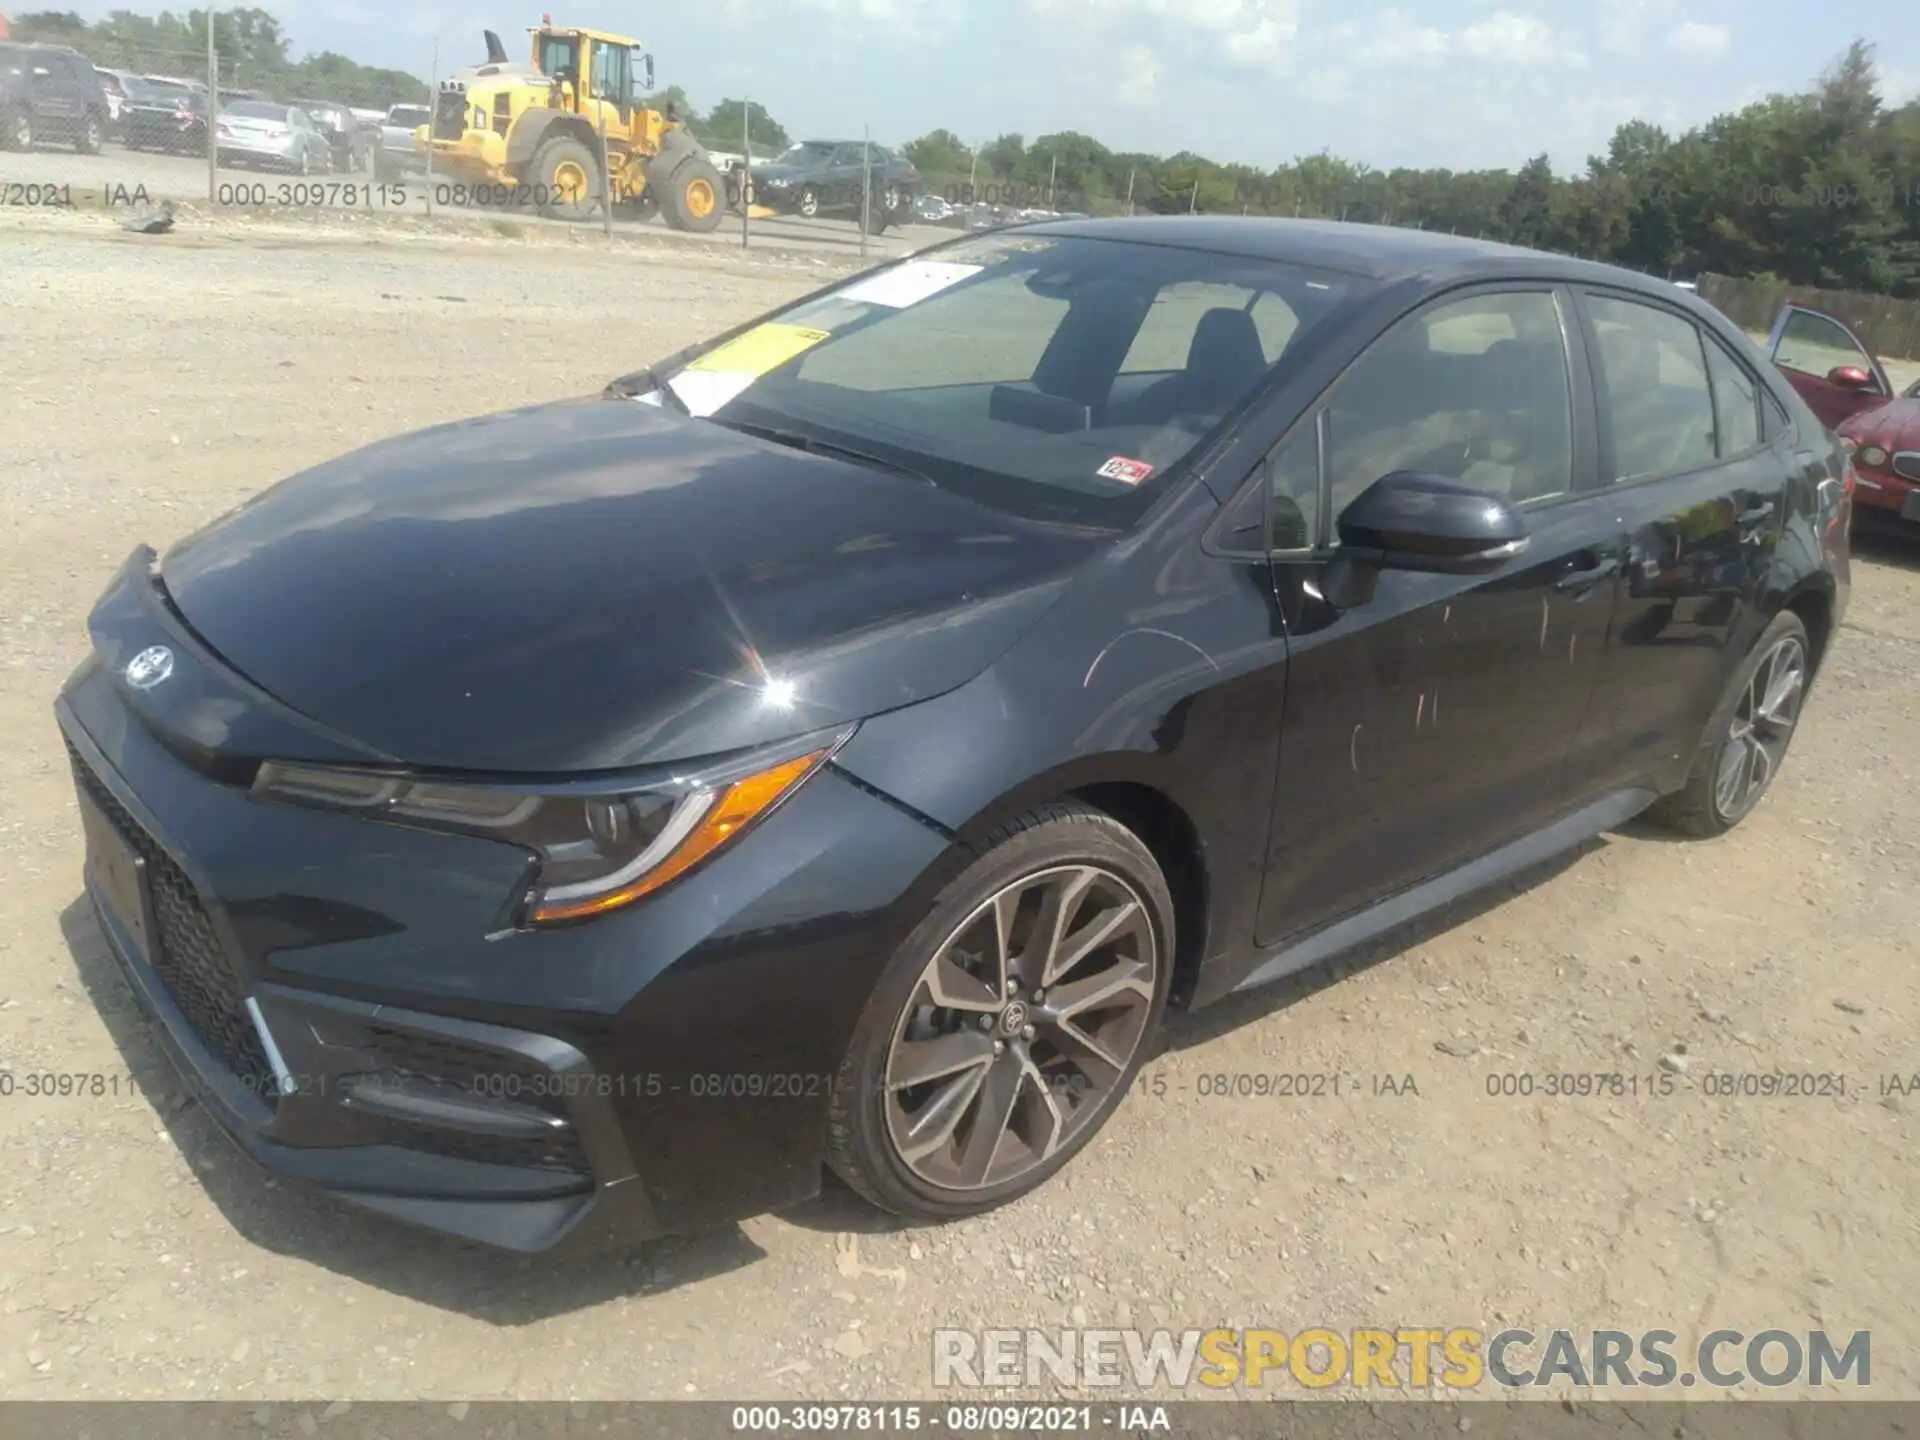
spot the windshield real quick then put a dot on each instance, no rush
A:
(257, 110)
(411, 116)
(805, 153)
(1049, 375)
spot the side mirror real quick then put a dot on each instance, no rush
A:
(1851, 377)
(646, 71)
(1411, 520)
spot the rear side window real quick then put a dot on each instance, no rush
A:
(1736, 402)
(1654, 374)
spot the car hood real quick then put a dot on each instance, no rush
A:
(601, 583)
(1894, 425)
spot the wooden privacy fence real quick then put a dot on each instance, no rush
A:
(1891, 328)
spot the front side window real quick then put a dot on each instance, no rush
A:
(1476, 391)
(1000, 366)
(1653, 374)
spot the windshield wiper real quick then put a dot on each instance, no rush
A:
(831, 449)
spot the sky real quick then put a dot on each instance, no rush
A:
(1456, 83)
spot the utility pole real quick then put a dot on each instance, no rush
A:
(1193, 201)
(433, 114)
(213, 113)
(866, 186)
(973, 166)
(746, 171)
(1130, 175)
(1052, 175)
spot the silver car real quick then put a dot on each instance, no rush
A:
(268, 135)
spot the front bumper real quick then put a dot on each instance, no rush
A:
(342, 996)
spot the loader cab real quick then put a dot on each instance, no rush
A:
(594, 70)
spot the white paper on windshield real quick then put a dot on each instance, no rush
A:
(909, 283)
(705, 391)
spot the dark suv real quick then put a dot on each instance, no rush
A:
(50, 92)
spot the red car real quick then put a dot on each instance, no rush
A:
(1845, 385)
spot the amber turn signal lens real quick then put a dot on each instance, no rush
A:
(739, 806)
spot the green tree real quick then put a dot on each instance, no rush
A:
(727, 124)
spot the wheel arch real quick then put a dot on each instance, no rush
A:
(1134, 790)
(535, 127)
(1812, 600)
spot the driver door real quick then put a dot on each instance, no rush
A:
(1815, 352)
(1430, 717)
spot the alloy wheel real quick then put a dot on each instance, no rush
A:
(1762, 725)
(1020, 1027)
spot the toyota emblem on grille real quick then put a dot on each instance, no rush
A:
(150, 667)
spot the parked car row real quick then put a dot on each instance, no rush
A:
(52, 94)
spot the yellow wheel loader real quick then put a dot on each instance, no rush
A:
(536, 134)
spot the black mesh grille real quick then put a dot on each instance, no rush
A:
(493, 1074)
(187, 955)
(450, 115)
(1907, 464)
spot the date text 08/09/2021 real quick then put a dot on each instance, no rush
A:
(988, 1419)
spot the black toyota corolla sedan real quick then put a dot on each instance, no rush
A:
(839, 744)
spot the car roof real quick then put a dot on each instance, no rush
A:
(1377, 252)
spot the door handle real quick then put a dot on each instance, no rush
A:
(1581, 581)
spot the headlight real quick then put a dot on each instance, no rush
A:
(1871, 455)
(600, 845)
(1850, 446)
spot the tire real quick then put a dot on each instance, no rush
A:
(564, 164)
(384, 172)
(93, 136)
(20, 130)
(1737, 759)
(870, 1125)
(694, 197)
(872, 217)
(807, 207)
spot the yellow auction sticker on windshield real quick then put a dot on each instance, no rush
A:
(763, 348)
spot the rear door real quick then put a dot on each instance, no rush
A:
(1699, 476)
(1826, 362)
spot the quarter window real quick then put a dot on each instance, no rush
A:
(1654, 375)
(1476, 391)
(1736, 402)
(1293, 491)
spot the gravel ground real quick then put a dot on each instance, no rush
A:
(155, 383)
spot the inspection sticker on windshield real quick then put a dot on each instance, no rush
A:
(908, 284)
(1126, 471)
